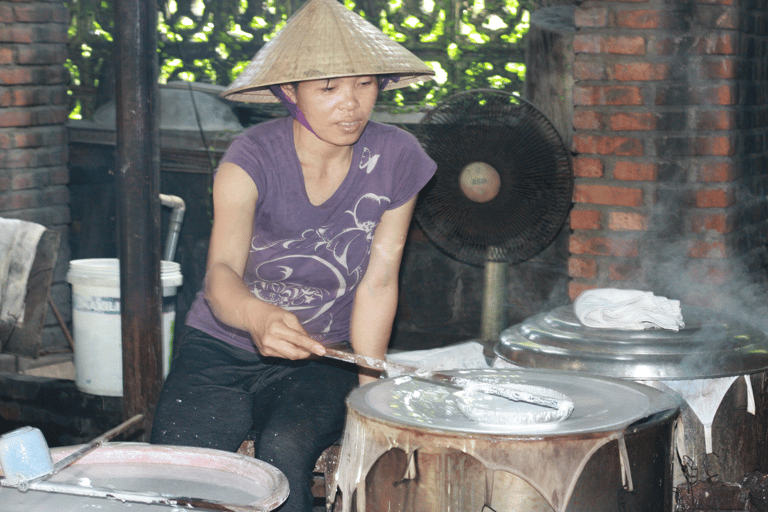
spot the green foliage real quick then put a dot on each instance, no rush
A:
(469, 43)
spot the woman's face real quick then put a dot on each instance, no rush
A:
(337, 109)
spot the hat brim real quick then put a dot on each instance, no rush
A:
(322, 40)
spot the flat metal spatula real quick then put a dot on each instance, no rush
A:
(505, 390)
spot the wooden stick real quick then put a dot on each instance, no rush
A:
(62, 324)
(83, 450)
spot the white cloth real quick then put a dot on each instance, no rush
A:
(462, 356)
(18, 246)
(611, 308)
(704, 397)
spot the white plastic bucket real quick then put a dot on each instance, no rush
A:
(96, 322)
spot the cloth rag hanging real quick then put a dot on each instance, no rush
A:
(612, 308)
(18, 246)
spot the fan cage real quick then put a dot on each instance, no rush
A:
(521, 144)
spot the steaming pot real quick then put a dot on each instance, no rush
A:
(713, 364)
(407, 446)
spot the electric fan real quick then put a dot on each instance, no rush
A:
(502, 189)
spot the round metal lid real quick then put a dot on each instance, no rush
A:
(601, 404)
(710, 345)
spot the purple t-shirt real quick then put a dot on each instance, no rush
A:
(309, 259)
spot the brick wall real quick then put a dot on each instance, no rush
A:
(33, 142)
(670, 115)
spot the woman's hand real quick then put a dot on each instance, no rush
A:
(278, 333)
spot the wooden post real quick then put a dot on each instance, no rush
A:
(138, 208)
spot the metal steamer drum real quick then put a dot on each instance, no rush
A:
(408, 446)
(151, 478)
(713, 364)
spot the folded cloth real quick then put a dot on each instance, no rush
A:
(18, 246)
(612, 308)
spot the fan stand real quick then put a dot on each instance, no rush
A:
(480, 182)
(494, 314)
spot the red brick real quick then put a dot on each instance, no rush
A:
(716, 44)
(713, 222)
(645, 19)
(726, 19)
(27, 139)
(624, 271)
(25, 179)
(709, 272)
(33, 157)
(721, 119)
(619, 45)
(6, 56)
(604, 246)
(718, 146)
(586, 70)
(6, 97)
(576, 289)
(716, 2)
(59, 175)
(47, 136)
(715, 198)
(634, 171)
(640, 71)
(16, 76)
(722, 95)
(590, 17)
(39, 12)
(29, 96)
(605, 194)
(701, 249)
(627, 221)
(584, 167)
(677, 95)
(723, 68)
(56, 74)
(6, 13)
(605, 145)
(633, 121)
(41, 54)
(610, 95)
(22, 34)
(16, 118)
(717, 172)
(585, 219)
(582, 267)
(29, 199)
(588, 120)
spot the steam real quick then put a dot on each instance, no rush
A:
(715, 278)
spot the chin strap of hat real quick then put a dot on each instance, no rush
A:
(293, 108)
(385, 80)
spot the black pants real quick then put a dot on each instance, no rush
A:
(216, 395)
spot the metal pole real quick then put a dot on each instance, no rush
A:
(138, 208)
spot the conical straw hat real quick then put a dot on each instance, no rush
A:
(324, 39)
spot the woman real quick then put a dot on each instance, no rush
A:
(311, 214)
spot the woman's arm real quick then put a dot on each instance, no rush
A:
(275, 332)
(376, 297)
